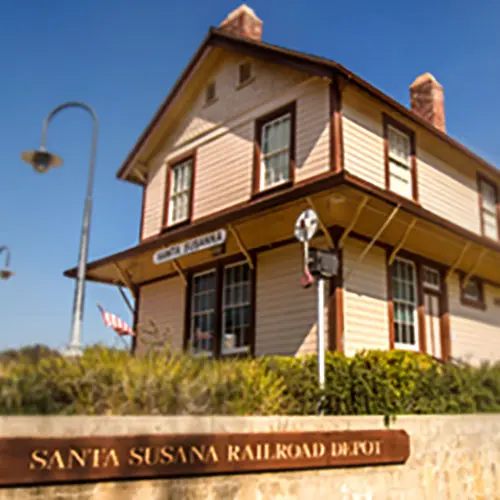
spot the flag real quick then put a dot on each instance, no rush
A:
(113, 321)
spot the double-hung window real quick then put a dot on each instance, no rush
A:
(472, 293)
(405, 303)
(488, 197)
(221, 310)
(180, 186)
(400, 159)
(276, 155)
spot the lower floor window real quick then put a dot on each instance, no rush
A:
(404, 289)
(221, 311)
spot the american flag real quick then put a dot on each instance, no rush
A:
(113, 321)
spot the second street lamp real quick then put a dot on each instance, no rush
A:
(41, 160)
(6, 273)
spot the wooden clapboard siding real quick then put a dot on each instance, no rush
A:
(446, 179)
(366, 322)
(153, 207)
(163, 304)
(363, 140)
(286, 313)
(448, 191)
(475, 333)
(223, 136)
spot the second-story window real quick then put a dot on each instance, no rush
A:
(179, 204)
(244, 73)
(275, 136)
(400, 159)
(210, 93)
(488, 198)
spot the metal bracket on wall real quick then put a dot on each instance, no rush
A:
(125, 278)
(180, 271)
(403, 240)
(241, 246)
(321, 224)
(355, 218)
(374, 239)
(474, 267)
(457, 262)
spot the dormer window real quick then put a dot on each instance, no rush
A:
(245, 73)
(210, 95)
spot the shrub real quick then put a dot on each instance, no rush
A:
(109, 381)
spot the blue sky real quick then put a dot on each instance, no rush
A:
(122, 57)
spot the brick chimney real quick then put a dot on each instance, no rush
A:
(243, 22)
(427, 100)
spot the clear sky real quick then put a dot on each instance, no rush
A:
(123, 56)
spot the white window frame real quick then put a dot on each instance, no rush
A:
(263, 157)
(485, 184)
(192, 314)
(403, 165)
(241, 349)
(185, 191)
(401, 345)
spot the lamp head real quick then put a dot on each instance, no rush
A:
(41, 160)
(5, 274)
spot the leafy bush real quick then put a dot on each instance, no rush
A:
(109, 381)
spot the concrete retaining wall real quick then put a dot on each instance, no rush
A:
(452, 457)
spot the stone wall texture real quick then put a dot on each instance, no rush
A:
(452, 457)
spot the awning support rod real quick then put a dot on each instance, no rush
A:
(350, 227)
(181, 272)
(403, 240)
(125, 298)
(321, 224)
(241, 246)
(374, 239)
(474, 267)
(457, 262)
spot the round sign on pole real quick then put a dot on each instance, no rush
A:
(306, 225)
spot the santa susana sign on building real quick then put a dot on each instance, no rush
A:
(197, 244)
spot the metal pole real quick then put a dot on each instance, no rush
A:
(321, 333)
(75, 347)
(5, 248)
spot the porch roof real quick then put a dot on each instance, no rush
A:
(268, 222)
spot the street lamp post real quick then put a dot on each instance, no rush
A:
(42, 160)
(6, 273)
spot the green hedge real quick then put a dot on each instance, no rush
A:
(108, 381)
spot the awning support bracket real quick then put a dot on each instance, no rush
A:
(457, 262)
(180, 271)
(474, 267)
(126, 279)
(374, 239)
(355, 218)
(399, 246)
(321, 224)
(241, 246)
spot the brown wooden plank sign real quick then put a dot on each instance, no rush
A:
(80, 459)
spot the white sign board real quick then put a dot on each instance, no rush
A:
(197, 244)
(306, 225)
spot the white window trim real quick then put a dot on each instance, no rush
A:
(232, 350)
(171, 194)
(393, 158)
(402, 346)
(263, 186)
(428, 285)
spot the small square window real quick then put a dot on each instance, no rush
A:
(472, 293)
(244, 72)
(210, 93)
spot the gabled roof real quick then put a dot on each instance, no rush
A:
(311, 64)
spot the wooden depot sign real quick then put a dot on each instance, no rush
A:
(80, 459)
(197, 244)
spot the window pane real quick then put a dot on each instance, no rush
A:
(202, 313)
(488, 195)
(180, 192)
(236, 307)
(399, 146)
(490, 225)
(405, 304)
(276, 151)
